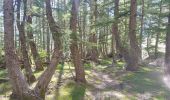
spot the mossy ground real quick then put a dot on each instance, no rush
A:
(103, 83)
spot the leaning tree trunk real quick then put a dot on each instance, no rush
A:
(32, 44)
(19, 84)
(45, 78)
(21, 28)
(33, 47)
(134, 48)
(76, 56)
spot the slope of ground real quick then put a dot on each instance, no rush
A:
(103, 83)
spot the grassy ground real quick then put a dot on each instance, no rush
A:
(103, 83)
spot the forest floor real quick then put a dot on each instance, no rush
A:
(103, 83)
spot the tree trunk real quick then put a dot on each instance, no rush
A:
(167, 53)
(45, 78)
(43, 28)
(48, 45)
(119, 46)
(93, 52)
(17, 79)
(83, 53)
(134, 48)
(21, 28)
(33, 47)
(75, 54)
(115, 33)
(158, 33)
(142, 27)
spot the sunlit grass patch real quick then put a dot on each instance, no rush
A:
(146, 69)
(87, 66)
(70, 91)
(105, 61)
(38, 74)
(146, 80)
(120, 64)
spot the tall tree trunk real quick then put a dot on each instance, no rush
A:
(75, 54)
(80, 45)
(115, 34)
(48, 44)
(115, 31)
(158, 33)
(43, 28)
(17, 79)
(167, 53)
(45, 78)
(142, 26)
(134, 48)
(21, 28)
(33, 47)
(83, 53)
(93, 52)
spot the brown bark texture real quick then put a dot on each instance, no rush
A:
(134, 48)
(75, 53)
(22, 38)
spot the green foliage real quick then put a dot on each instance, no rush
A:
(43, 54)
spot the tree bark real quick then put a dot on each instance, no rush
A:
(142, 27)
(83, 53)
(115, 34)
(17, 79)
(45, 78)
(48, 45)
(167, 53)
(75, 54)
(134, 48)
(33, 47)
(93, 52)
(21, 28)
(158, 33)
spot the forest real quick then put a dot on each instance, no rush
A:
(84, 49)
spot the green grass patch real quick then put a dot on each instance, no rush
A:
(71, 91)
(87, 66)
(147, 80)
(105, 61)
